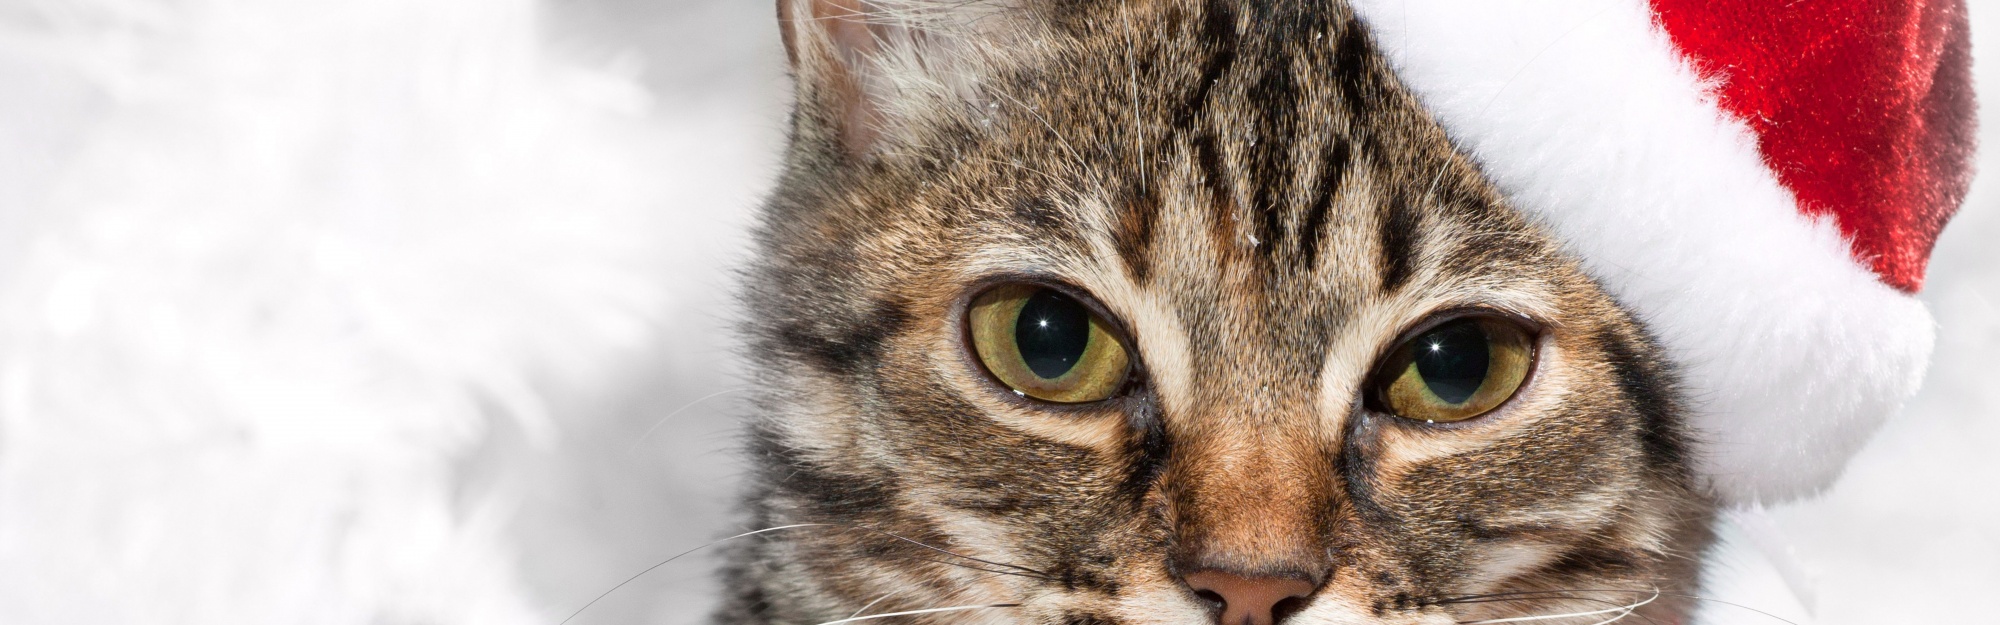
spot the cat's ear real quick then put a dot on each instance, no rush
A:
(867, 70)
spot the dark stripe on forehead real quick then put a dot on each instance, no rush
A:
(1332, 168)
(1350, 61)
(1219, 37)
(1218, 34)
(1132, 236)
(1398, 233)
(1040, 214)
(1222, 194)
(1275, 96)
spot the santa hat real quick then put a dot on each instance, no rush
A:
(1761, 181)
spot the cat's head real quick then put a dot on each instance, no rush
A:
(1172, 311)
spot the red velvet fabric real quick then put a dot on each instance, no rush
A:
(1863, 108)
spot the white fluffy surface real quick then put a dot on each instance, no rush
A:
(1584, 114)
(270, 268)
(385, 312)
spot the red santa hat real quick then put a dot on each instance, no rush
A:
(1762, 181)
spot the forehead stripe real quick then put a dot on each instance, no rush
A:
(1271, 168)
(1398, 229)
(1132, 236)
(1219, 30)
(1332, 170)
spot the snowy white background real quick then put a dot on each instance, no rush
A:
(416, 311)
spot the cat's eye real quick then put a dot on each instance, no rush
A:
(1455, 371)
(1045, 344)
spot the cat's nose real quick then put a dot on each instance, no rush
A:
(1249, 600)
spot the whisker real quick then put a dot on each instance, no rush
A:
(1026, 572)
(1560, 594)
(1622, 610)
(979, 568)
(678, 556)
(1530, 593)
(872, 603)
(893, 593)
(1587, 599)
(923, 611)
(677, 412)
(1039, 574)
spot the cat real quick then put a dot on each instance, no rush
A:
(1100, 312)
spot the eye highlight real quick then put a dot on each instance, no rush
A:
(1045, 344)
(1455, 371)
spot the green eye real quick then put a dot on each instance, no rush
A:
(1047, 345)
(1456, 371)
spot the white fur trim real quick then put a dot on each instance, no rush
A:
(1588, 119)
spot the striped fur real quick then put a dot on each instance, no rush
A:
(1249, 192)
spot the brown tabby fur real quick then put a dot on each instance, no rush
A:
(1245, 188)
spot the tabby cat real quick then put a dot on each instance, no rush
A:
(1094, 312)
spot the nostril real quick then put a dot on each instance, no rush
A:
(1213, 599)
(1242, 600)
(1284, 610)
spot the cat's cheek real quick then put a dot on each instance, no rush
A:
(818, 416)
(1334, 606)
(1495, 564)
(1102, 431)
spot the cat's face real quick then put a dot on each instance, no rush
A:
(1177, 312)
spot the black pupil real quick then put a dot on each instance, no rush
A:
(1453, 360)
(1052, 333)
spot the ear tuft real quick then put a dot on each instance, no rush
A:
(868, 71)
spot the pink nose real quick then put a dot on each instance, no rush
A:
(1246, 600)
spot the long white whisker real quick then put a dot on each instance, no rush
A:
(1621, 616)
(872, 604)
(923, 611)
(677, 556)
(949, 553)
(1533, 595)
(678, 411)
(1583, 599)
(893, 535)
(1622, 612)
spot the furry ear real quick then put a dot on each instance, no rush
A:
(868, 70)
